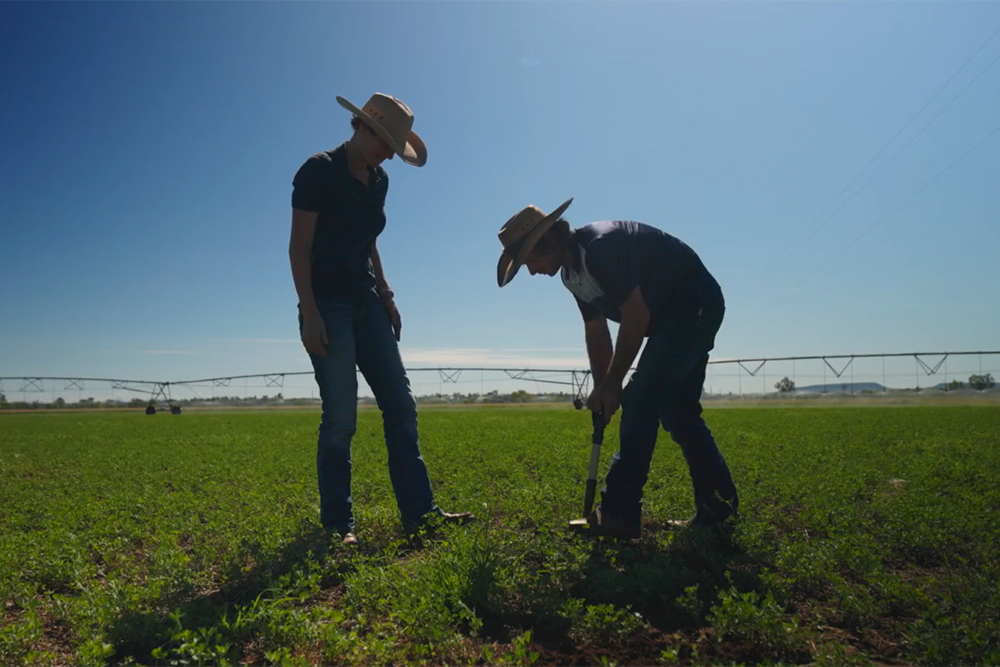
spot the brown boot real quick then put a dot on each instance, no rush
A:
(708, 516)
(606, 525)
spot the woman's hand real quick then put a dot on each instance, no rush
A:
(314, 334)
(394, 319)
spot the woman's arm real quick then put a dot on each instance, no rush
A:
(380, 282)
(299, 249)
(385, 294)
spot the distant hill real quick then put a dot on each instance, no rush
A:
(864, 386)
(839, 386)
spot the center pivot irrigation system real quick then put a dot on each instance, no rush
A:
(161, 397)
(828, 372)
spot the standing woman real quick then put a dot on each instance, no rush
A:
(347, 316)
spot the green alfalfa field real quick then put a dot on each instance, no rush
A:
(868, 536)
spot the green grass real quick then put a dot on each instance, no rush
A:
(869, 536)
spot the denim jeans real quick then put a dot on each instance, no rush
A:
(360, 337)
(666, 389)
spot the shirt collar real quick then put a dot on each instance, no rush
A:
(340, 153)
(570, 273)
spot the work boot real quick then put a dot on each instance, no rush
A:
(603, 524)
(715, 513)
(345, 535)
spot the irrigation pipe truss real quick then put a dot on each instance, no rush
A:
(576, 379)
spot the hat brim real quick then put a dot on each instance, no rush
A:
(508, 265)
(507, 268)
(413, 152)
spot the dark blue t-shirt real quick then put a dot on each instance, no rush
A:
(615, 257)
(350, 217)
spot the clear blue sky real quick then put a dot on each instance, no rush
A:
(148, 150)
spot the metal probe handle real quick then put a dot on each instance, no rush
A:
(595, 455)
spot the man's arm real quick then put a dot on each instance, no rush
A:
(598, 347)
(606, 397)
(635, 320)
(611, 262)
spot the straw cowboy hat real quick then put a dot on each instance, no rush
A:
(520, 235)
(392, 120)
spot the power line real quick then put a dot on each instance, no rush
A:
(901, 205)
(795, 243)
(905, 146)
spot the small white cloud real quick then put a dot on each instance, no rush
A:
(530, 60)
(265, 341)
(157, 352)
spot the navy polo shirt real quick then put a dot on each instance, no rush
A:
(350, 216)
(615, 257)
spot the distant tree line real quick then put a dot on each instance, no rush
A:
(979, 382)
(492, 397)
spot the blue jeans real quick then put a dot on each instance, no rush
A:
(666, 389)
(360, 336)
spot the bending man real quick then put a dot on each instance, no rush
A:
(656, 288)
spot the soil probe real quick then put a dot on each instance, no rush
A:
(595, 454)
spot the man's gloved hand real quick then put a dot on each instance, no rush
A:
(606, 398)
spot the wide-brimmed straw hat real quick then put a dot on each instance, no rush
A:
(520, 235)
(393, 122)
